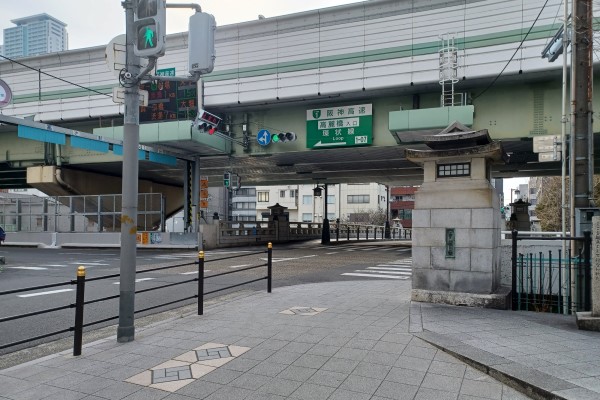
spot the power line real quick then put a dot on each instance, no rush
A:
(55, 77)
(514, 54)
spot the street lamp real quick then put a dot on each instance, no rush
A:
(325, 234)
(517, 192)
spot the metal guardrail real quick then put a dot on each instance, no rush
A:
(83, 213)
(202, 277)
(80, 301)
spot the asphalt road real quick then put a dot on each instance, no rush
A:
(292, 265)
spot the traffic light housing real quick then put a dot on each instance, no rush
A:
(207, 122)
(150, 28)
(227, 179)
(201, 43)
(283, 137)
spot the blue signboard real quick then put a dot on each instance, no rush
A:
(263, 137)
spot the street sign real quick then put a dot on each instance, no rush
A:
(5, 94)
(165, 72)
(546, 143)
(339, 126)
(204, 192)
(263, 137)
(119, 96)
(547, 157)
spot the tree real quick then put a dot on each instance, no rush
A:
(368, 217)
(548, 206)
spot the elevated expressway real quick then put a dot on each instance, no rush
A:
(269, 72)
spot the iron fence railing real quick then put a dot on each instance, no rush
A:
(80, 301)
(552, 282)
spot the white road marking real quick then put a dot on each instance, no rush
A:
(290, 258)
(402, 271)
(55, 265)
(91, 264)
(334, 252)
(29, 268)
(193, 272)
(382, 272)
(240, 266)
(137, 280)
(45, 293)
(377, 276)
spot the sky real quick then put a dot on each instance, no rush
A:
(512, 183)
(95, 22)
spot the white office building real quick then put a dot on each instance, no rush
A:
(34, 35)
(349, 202)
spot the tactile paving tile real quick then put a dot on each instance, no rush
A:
(300, 310)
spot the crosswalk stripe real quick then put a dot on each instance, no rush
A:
(404, 270)
(376, 276)
(29, 268)
(382, 272)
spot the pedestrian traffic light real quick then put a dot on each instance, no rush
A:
(150, 28)
(227, 179)
(207, 122)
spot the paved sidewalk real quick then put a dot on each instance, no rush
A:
(336, 340)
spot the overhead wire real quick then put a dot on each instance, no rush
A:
(514, 54)
(55, 77)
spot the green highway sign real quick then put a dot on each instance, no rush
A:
(339, 126)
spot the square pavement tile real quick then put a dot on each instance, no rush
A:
(300, 310)
(171, 375)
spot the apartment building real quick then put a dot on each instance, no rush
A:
(35, 35)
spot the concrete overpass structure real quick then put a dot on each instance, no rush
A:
(270, 73)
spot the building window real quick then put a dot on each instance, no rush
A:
(292, 193)
(306, 217)
(330, 216)
(282, 193)
(262, 196)
(244, 205)
(405, 214)
(358, 199)
(445, 170)
(246, 192)
(307, 199)
(330, 199)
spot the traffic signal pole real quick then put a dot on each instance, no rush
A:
(131, 138)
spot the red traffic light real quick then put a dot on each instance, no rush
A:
(212, 130)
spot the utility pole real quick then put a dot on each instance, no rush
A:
(131, 139)
(582, 140)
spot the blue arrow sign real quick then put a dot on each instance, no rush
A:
(263, 137)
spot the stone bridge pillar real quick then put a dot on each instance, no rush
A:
(457, 221)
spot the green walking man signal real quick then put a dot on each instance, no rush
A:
(148, 36)
(150, 27)
(227, 179)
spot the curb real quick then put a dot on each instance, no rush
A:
(535, 384)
